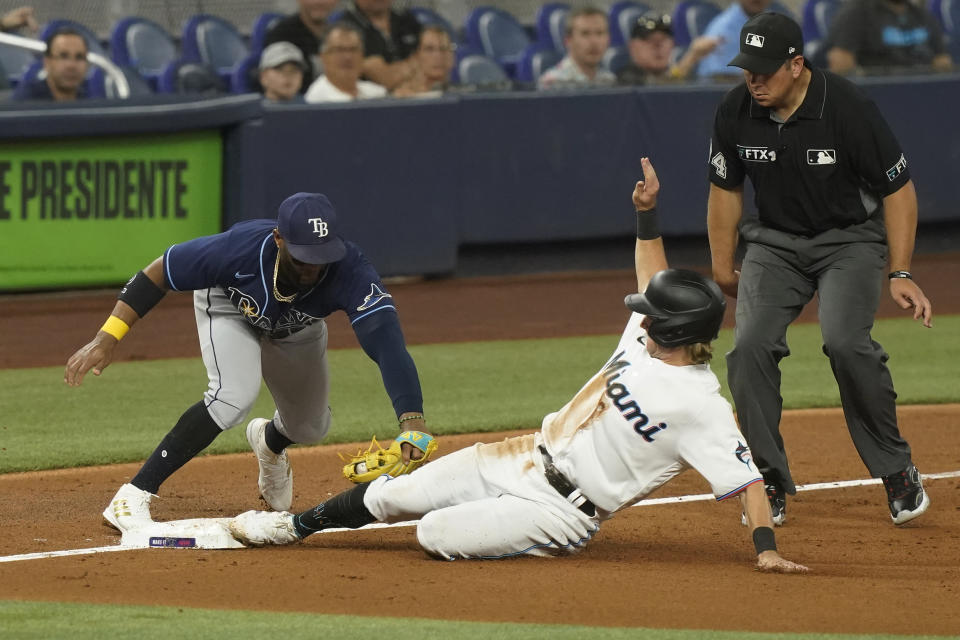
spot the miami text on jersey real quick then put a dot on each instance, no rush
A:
(627, 406)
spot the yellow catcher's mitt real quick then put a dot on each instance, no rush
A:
(365, 466)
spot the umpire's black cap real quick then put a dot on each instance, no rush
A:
(767, 40)
(308, 224)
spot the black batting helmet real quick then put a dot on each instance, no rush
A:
(683, 306)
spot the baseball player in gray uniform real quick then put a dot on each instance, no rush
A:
(836, 211)
(261, 292)
(652, 411)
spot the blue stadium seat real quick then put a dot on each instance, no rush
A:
(950, 15)
(616, 58)
(15, 61)
(480, 71)
(143, 45)
(190, 77)
(690, 20)
(498, 35)
(261, 27)
(623, 15)
(214, 42)
(537, 59)
(137, 84)
(817, 17)
(245, 78)
(430, 17)
(551, 24)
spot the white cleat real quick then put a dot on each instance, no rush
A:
(258, 528)
(276, 476)
(129, 509)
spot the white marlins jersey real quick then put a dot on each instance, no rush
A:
(639, 422)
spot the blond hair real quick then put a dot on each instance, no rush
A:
(699, 352)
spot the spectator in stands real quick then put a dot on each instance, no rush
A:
(282, 69)
(18, 18)
(342, 56)
(65, 64)
(651, 51)
(885, 35)
(434, 61)
(389, 40)
(726, 27)
(304, 29)
(587, 38)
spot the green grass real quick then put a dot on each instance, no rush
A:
(468, 387)
(26, 620)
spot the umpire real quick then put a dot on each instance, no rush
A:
(837, 211)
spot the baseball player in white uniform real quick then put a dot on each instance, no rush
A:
(652, 411)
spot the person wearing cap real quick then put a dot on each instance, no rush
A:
(342, 57)
(837, 212)
(587, 39)
(651, 52)
(726, 27)
(261, 291)
(282, 68)
(305, 30)
(886, 36)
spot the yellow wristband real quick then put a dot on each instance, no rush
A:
(115, 327)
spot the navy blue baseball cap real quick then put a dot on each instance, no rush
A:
(308, 224)
(768, 40)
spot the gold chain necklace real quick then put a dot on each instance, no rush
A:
(276, 292)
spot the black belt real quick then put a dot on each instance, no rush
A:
(563, 486)
(284, 333)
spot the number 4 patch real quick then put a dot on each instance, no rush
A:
(720, 164)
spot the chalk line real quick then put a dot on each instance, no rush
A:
(818, 486)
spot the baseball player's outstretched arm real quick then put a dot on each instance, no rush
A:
(757, 509)
(98, 353)
(724, 209)
(649, 256)
(900, 218)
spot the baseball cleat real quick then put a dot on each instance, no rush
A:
(129, 509)
(276, 476)
(259, 528)
(905, 495)
(778, 505)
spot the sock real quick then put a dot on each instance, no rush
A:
(276, 441)
(342, 510)
(193, 433)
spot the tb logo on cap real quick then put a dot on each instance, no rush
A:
(319, 226)
(754, 40)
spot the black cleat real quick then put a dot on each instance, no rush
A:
(905, 495)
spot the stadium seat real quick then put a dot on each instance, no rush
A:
(261, 27)
(690, 20)
(499, 36)
(214, 42)
(143, 45)
(246, 75)
(480, 71)
(189, 77)
(623, 15)
(950, 15)
(537, 59)
(430, 17)
(551, 24)
(137, 84)
(93, 43)
(817, 16)
(15, 61)
(616, 58)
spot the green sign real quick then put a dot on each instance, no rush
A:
(95, 211)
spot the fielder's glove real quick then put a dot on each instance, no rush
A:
(365, 466)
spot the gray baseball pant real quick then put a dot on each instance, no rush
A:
(779, 275)
(237, 355)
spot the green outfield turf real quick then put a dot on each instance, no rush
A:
(468, 387)
(40, 620)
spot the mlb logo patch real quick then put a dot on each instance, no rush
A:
(754, 40)
(821, 156)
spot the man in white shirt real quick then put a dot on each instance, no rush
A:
(653, 411)
(587, 39)
(342, 57)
